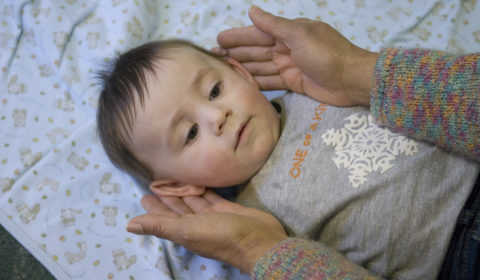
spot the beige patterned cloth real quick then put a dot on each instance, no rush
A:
(59, 194)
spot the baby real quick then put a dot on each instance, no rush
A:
(180, 119)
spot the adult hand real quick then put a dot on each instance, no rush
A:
(303, 55)
(211, 226)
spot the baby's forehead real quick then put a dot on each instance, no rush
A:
(197, 59)
(189, 55)
(166, 79)
(177, 67)
(182, 64)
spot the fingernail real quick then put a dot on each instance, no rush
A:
(218, 51)
(254, 7)
(260, 11)
(135, 228)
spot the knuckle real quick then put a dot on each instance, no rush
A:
(158, 230)
(277, 20)
(303, 20)
(303, 30)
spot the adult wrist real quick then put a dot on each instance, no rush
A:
(360, 68)
(255, 246)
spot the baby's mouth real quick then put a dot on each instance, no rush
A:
(240, 132)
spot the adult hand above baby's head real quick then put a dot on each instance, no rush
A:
(303, 55)
(211, 227)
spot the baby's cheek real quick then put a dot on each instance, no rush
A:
(262, 148)
(217, 168)
(212, 160)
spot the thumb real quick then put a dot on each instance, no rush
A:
(151, 224)
(278, 27)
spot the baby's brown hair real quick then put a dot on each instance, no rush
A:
(122, 85)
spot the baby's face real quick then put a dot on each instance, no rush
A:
(204, 122)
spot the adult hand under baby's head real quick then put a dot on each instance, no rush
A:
(211, 226)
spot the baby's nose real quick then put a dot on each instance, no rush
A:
(219, 119)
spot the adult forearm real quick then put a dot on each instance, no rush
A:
(430, 95)
(297, 258)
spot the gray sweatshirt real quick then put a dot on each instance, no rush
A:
(385, 201)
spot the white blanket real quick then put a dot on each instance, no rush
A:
(59, 194)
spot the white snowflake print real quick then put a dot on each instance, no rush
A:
(363, 147)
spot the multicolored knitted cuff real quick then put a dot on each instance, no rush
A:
(430, 95)
(296, 258)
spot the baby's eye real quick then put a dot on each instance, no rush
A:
(192, 134)
(215, 92)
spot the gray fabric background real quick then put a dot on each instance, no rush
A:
(17, 263)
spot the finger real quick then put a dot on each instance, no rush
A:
(277, 27)
(176, 205)
(213, 197)
(251, 53)
(151, 224)
(243, 36)
(273, 82)
(154, 205)
(220, 204)
(196, 203)
(261, 68)
(219, 51)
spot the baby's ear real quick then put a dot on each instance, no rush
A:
(238, 67)
(169, 187)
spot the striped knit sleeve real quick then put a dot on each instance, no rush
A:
(297, 258)
(430, 95)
